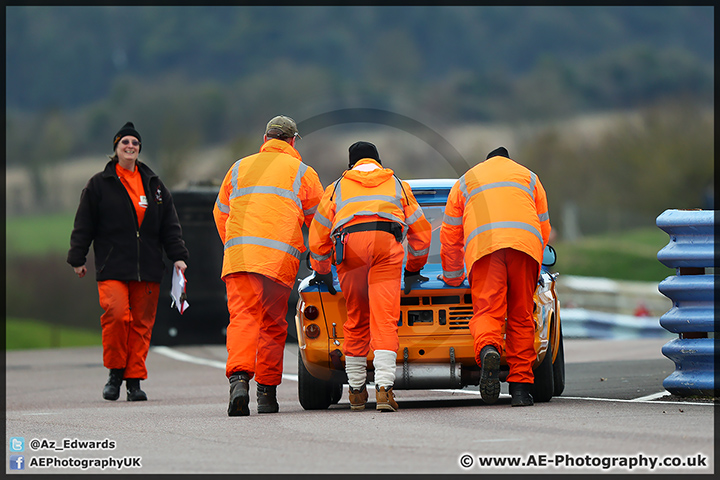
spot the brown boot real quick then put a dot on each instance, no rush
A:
(358, 398)
(385, 398)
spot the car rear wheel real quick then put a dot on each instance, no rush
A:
(336, 392)
(559, 368)
(314, 393)
(544, 386)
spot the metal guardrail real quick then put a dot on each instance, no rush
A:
(691, 252)
(585, 323)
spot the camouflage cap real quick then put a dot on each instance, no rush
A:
(281, 127)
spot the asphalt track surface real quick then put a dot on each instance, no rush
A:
(614, 417)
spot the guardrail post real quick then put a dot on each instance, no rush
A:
(691, 253)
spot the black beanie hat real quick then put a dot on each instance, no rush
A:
(127, 129)
(498, 152)
(360, 150)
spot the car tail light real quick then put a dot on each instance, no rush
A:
(312, 331)
(311, 312)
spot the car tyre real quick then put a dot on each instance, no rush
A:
(559, 368)
(336, 392)
(314, 393)
(543, 387)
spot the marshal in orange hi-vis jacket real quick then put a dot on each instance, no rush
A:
(360, 224)
(496, 224)
(263, 202)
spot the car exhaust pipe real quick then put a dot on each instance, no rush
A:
(428, 376)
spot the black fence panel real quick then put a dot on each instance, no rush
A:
(207, 318)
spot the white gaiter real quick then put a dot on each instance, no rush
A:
(384, 364)
(356, 369)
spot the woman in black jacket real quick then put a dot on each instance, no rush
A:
(128, 215)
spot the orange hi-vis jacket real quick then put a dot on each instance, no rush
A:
(497, 204)
(367, 195)
(263, 202)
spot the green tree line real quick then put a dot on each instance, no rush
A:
(192, 77)
(200, 75)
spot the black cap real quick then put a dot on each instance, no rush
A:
(498, 152)
(360, 150)
(127, 129)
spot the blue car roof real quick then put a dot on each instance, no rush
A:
(431, 190)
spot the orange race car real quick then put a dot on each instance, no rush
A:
(436, 347)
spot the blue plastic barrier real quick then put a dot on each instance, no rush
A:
(690, 251)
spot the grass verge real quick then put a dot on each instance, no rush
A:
(630, 255)
(23, 334)
(39, 234)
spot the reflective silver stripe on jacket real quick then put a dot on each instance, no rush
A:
(221, 206)
(415, 216)
(529, 190)
(264, 242)
(320, 218)
(320, 258)
(543, 217)
(455, 274)
(452, 220)
(282, 192)
(397, 201)
(462, 186)
(418, 253)
(496, 225)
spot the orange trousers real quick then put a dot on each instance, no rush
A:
(127, 324)
(370, 276)
(503, 283)
(257, 331)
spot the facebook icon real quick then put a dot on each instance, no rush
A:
(17, 462)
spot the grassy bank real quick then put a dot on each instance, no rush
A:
(38, 234)
(26, 334)
(629, 255)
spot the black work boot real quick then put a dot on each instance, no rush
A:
(520, 393)
(134, 394)
(112, 387)
(267, 398)
(489, 374)
(239, 396)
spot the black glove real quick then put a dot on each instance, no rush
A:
(411, 278)
(327, 279)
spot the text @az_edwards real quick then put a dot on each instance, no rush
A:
(37, 444)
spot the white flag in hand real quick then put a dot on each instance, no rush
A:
(177, 291)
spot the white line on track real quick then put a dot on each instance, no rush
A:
(651, 397)
(184, 357)
(636, 400)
